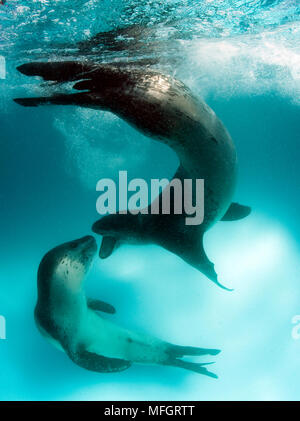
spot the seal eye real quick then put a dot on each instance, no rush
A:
(73, 245)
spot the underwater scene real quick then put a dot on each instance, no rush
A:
(100, 99)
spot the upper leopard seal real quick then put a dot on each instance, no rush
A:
(165, 109)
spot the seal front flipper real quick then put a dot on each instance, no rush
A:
(107, 246)
(208, 269)
(99, 305)
(94, 362)
(236, 212)
(202, 263)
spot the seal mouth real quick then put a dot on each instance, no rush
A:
(88, 244)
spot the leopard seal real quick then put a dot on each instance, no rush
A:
(71, 321)
(165, 109)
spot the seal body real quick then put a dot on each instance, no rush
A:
(163, 108)
(73, 324)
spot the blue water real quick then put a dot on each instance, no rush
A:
(243, 58)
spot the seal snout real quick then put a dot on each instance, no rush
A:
(99, 227)
(88, 242)
(84, 249)
(28, 69)
(86, 245)
(87, 239)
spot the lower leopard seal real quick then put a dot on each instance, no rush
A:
(165, 109)
(72, 322)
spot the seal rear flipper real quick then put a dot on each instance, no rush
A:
(176, 352)
(107, 246)
(60, 71)
(99, 305)
(179, 351)
(196, 367)
(63, 99)
(94, 362)
(236, 212)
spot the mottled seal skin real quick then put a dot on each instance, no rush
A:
(163, 108)
(73, 324)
